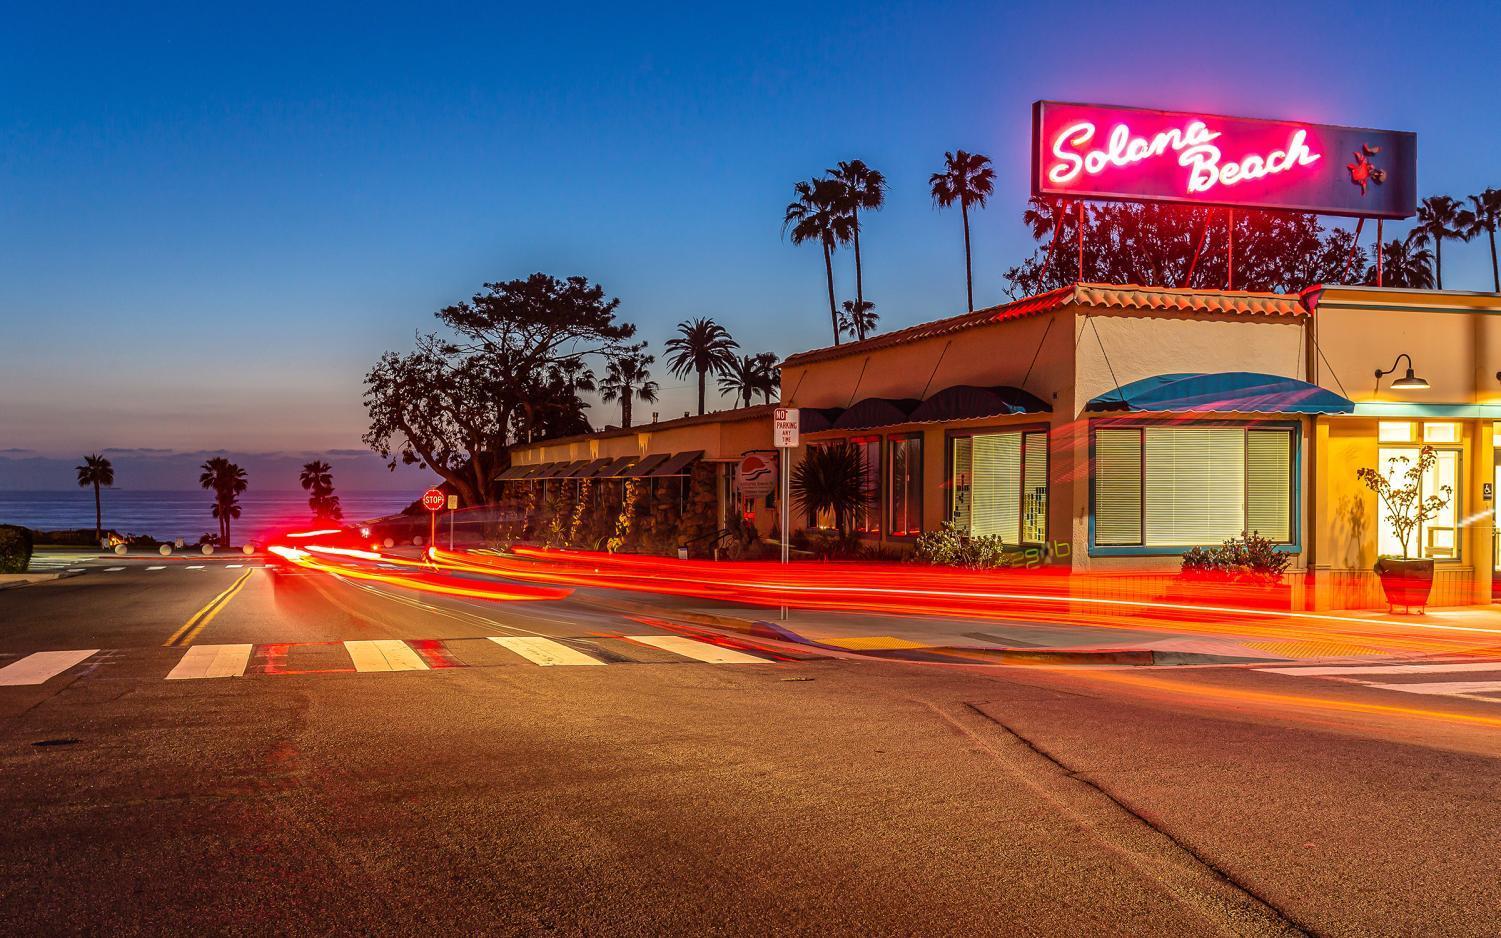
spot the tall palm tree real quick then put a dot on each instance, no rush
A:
(863, 188)
(817, 214)
(701, 346)
(1438, 218)
(628, 376)
(1405, 263)
(1484, 217)
(744, 379)
(227, 481)
(968, 179)
(858, 318)
(96, 471)
(768, 376)
(317, 479)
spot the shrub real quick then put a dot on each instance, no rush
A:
(951, 546)
(1249, 558)
(15, 548)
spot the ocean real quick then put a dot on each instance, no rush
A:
(166, 515)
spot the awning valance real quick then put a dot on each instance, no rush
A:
(1228, 392)
(968, 402)
(817, 419)
(877, 412)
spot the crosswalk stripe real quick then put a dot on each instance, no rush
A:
(1338, 670)
(196, 566)
(203, 661)
(113, 569)
(384, 655)
(37, 668)
(543, 651)
(1445, 688)
(700, 651)
(156, 568)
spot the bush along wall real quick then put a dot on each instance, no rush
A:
(15, 548)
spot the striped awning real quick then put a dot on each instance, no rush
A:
(677, 464)
(616, 468)
(589, 467)
(646, 465)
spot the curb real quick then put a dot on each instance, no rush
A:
(32, 579)
(760, 628)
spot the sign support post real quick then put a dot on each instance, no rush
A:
(433, 500)
(786, 424)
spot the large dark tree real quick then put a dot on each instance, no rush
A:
(1174, 246)
(508, 368)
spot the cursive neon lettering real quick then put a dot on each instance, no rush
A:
(1194, 144)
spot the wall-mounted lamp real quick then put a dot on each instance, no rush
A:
(1408, 382)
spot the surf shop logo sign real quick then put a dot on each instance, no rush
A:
(1088, 151)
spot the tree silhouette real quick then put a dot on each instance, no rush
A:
(96, 471)
(817, 214)
(701, 346)
(967, 178)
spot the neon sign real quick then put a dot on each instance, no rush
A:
(1092, 152)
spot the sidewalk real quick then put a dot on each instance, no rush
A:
(1347, 636)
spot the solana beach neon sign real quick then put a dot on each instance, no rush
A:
(1090, 151)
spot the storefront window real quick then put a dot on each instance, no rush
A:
(1437, 538)
(869, 521)
(1178, 487)
(906, 485)
(999, 485)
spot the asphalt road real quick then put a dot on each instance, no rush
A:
(438, 778)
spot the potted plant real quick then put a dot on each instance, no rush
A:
(1406, 581)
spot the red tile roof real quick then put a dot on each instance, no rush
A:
(1099, 295)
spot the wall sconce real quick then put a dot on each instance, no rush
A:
(1408, 382)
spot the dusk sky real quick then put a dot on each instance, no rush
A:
(212, 222)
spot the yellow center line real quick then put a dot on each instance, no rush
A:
(195, 624)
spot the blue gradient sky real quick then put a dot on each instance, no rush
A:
(211, 222)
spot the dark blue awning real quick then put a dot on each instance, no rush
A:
(1227, 392)
(967, 402)
(876, 412)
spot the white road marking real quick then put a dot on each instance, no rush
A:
(1446, 689)
(384, 655)
(202, 661)
(233, 566)
(197, 566)
(76, 569)
(701, 651)
(1339, 670)
(543, 651)
(113, 569)
(37, 668)
(156, 568)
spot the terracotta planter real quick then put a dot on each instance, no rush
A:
(1407, 583)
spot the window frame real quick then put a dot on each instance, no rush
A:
(889, 501)
(1456, 498)
(1294, 544)
(1019, 428)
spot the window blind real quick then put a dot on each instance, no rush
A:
(1117, 466)
(1269, 484)
(996, 503)
(1195, 485)
(962, 481)
(1035, 488)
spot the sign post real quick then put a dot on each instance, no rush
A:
(433, 500)
(453, 507)
(785, 427)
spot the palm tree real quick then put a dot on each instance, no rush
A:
(743, 379)
(628, 376)
(1405, 263)
(831, 479)
(1484, 217)
(818, 214)
(968, 179)
(768, 376)
(701, 346)
(96, 471)
(227, 481)
(859, 318)
(318, 480)
(1438, 218)
(863, 188)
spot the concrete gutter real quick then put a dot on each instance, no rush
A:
(946, 654)
(18, 580)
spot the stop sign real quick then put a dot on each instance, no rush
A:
(433, 500)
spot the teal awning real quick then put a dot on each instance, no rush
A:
(1226, 392)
